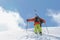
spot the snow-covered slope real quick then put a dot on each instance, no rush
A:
(52, 31)
(54, 34)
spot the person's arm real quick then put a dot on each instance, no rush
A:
(43, 21)
(30, 20)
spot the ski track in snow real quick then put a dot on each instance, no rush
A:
(32, 36)
(23, 35)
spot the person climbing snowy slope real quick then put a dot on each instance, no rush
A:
(37, 24)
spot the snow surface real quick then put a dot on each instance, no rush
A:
(29, 35)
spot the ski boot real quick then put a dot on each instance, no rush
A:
(40, 33)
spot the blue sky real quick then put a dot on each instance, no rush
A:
(26, 8)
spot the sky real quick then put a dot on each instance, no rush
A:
(49, 10)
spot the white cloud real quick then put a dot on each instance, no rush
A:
(55, 15)
(9, 20)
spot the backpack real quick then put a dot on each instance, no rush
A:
(37, 19)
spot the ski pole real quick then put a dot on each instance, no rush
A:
(26, 31)
(47, 31)
(27, 27)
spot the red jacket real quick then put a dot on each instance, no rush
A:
(33, 20)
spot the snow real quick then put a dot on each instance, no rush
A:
(29, 35)
(52, 31)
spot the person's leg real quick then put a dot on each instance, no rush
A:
(35, 29)
(39, 29)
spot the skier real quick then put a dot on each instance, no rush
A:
(37, 24)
